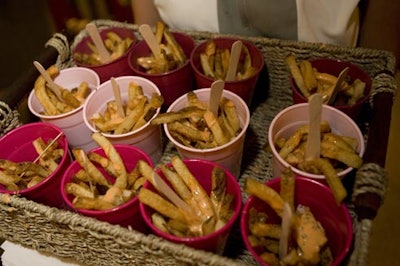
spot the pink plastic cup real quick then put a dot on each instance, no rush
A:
(17, 146)
(173, 83)
(147, 137)
(230, 154)
(244, 88)
(214, 242)
(291, 118)
(71, 123)
(334, 67)
(117, 67)
(335, 219)
(127, 214)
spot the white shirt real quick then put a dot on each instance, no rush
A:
(326, 21)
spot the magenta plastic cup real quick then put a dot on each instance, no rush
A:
(335, 219)
(287, 121)
(127, 214)
(71, 123)
(174, 83)
(230, 154)
(115, 68)
(148, 137)
(244, 88)
(334, 67)
(17, 146)
(214, 242)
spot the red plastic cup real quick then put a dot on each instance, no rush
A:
(117, 67)
(174, 83)
(17, 146)
(127, 214)
(334, 67)
(335, 219)
(244, 88)
(214, 242)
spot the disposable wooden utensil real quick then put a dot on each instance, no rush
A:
(215, 96)
(170, 194)
(286, 230)
(313, 148)
(149, 37)
(117, 97)
(45, 150)
(336, 88)
(94, 34)
(54, 87)
(236, 50)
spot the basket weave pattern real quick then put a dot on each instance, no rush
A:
(70, 235)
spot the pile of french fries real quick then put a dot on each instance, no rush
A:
(305, 241)
(309, 80)
(196, 126)
(199, 213)
(92, 189)
(115, 45)
(138, 110)
(21, 175)
(215, 61)
(52, 105)
(172, 55)
(337, 153)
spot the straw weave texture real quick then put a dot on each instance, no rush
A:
(72, 236)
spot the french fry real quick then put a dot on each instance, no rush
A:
(306, 222)
(296, 73)
(287, 189)
(332, 151)
(122, 179)
(91, 204)
(96, 176)
(331, 176)
(310, 82)
(215, 128)
(161, 205)
(180, 187)
(262, 229)
(199, 194)
(265, 193)
(79, 190)
(131, 119)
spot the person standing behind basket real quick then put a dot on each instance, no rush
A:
(325, 21)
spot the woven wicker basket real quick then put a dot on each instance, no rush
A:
(91, 242)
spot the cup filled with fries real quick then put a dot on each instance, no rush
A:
(77, 83)
(206, 205)
(293, 220)
(341, 146)
(124, 117)
(170, 70)
(320, 75)
(199, 134)
(210, 61)
(103, 183)
(33, 158)
(118, 42)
